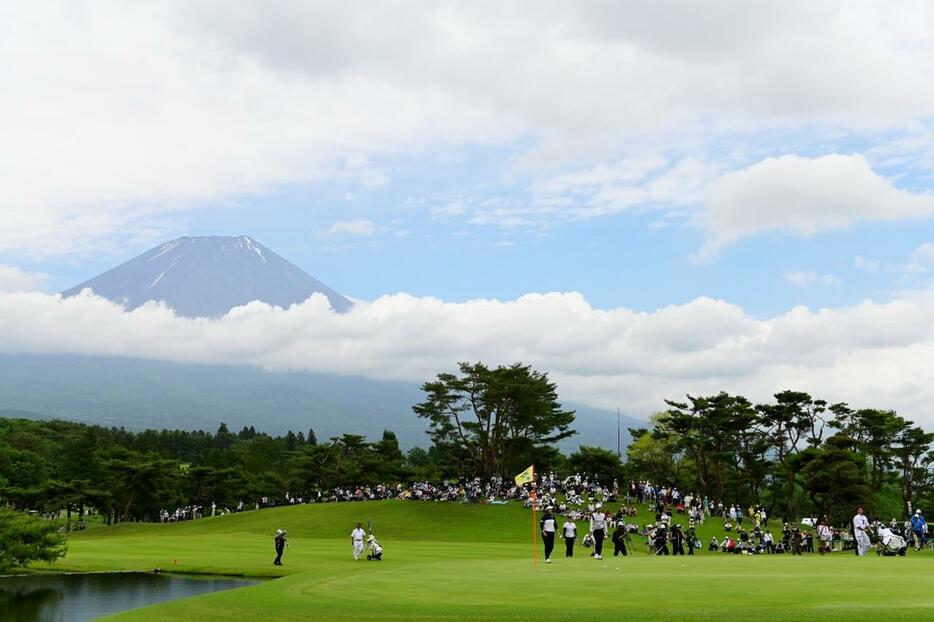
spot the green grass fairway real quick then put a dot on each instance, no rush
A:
(459, 562)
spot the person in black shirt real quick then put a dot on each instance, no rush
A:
(619, 539)
(691, 536)
(796, 537)
(677, 541)
(661, 540)
(280, 546)
(549, 526)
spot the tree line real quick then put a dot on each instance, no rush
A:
(795, 455)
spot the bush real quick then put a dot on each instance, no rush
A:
(25, 539)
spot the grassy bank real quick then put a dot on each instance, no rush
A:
(451, 561)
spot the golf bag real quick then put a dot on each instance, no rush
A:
(374, 552)
(896, 546)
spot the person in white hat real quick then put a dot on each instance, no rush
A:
(280, 546)
(919, 530)
(357, 536)
(598, 529)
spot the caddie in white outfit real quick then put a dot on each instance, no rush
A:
(357, 536)
(860, 531)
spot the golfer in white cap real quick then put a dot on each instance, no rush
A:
(357, 536)
(598, 529)
(280, 546)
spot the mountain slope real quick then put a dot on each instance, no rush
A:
(140, 394)
(207, 276)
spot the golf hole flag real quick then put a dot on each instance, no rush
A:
(527, 476)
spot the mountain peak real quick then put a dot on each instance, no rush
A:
(207, 276)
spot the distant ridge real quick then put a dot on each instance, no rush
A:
(139, 394)
(207, 276)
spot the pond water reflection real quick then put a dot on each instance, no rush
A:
(81, 597)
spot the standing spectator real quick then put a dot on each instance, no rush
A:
(796, 537)
(919, 530)
(570, 537)
(824, 535)
(769, 542)
(549, 527)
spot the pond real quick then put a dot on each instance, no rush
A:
(81, 597)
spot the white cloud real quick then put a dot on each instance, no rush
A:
(924, 253)
(362, 228)
(118, 118)
(803, 196)
(918, 265)
(870, 354)
(866, 265)
(647, 182)
(454, 208)
(806, 278)
(13, 279)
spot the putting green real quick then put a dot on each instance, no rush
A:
(451, 561)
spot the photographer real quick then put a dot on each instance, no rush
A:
(691, 536)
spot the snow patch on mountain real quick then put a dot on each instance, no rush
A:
(207, 276)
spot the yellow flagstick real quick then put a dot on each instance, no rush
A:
(534, 495)
(528, 477)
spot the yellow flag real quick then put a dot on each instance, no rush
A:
(526, 476)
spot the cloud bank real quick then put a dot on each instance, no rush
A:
(870, 354)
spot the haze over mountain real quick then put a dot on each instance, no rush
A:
(206, 276)
(139, 394)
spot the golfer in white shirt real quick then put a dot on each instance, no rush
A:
(570, 537)
(357, 537)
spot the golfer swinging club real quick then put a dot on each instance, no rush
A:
(357, 537)
(281, 543)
